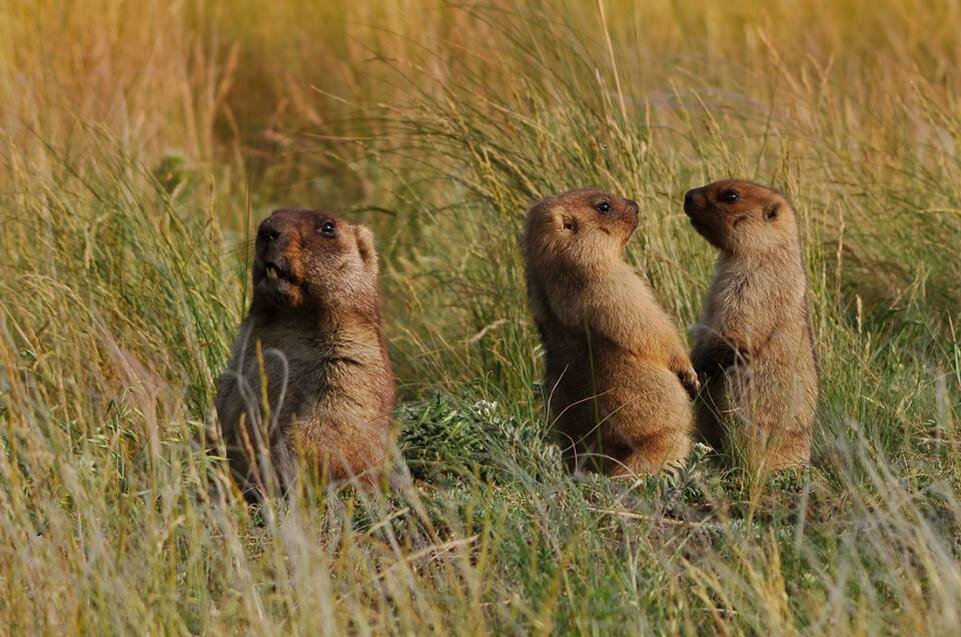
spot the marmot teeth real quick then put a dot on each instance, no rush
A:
(271, 273)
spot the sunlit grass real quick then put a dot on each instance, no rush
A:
(141, 141)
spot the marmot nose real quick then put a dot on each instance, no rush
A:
(689, 200)
(632, 205)
(267, 232)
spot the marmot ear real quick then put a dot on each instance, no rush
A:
(565, 221)
(365, 246)
(771, 212)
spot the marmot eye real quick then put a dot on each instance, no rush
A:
(603, 207)
(327, 228)
(730, 196)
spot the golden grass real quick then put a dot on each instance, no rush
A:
(141, 140)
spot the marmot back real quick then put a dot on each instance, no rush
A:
(754, 347)
(616, 365)
(313, 332)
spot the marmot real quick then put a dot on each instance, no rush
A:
(618, 373)
(313, 332)
(754, 349)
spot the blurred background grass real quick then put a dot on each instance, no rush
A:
(141, 141)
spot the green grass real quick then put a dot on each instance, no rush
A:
(139, 147)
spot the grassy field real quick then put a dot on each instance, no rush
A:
(141, 141)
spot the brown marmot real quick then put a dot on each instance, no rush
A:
(618, 374)
(313, 332)
(754, 348)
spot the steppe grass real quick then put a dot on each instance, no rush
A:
(142, 141)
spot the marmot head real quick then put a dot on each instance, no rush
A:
(738, 216)
(306, 259)
(579, 228)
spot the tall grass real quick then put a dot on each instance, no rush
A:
(141, 141)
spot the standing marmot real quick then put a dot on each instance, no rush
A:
(313, 331)
(754, 348)
(618, 374)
